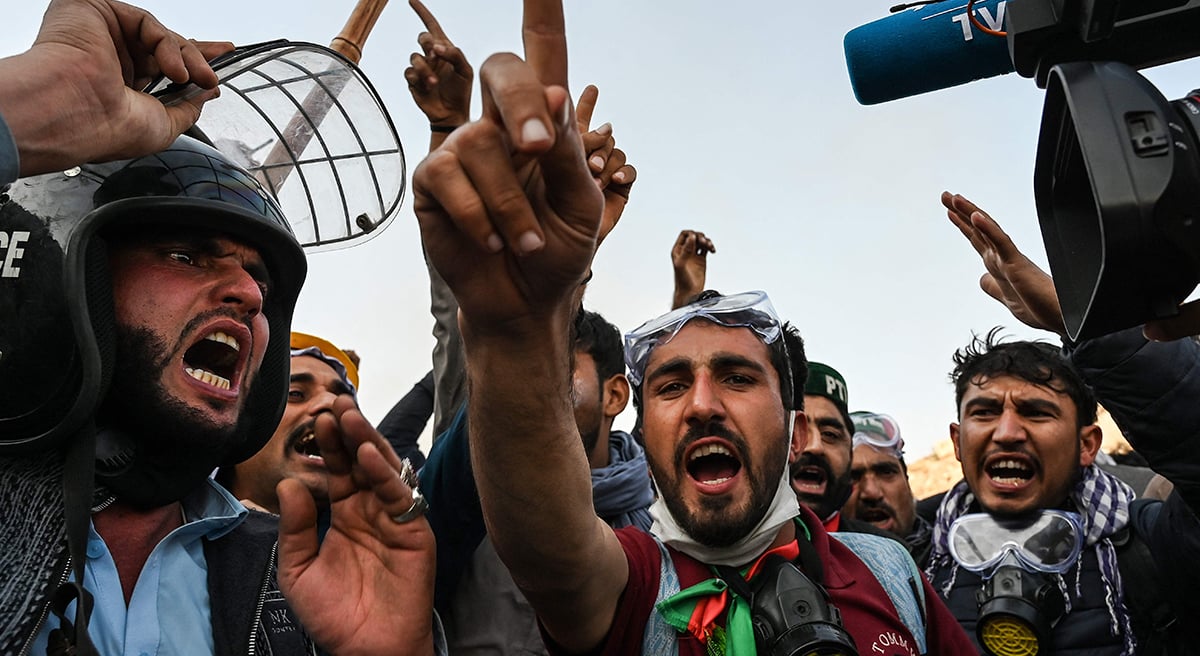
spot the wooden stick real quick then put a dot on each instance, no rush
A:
(358, 27)
(299, 132)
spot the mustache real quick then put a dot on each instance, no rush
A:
(300, 431)
(880, 505)
(712, 429)
(209, 315)
(1017, 450)
(814, 460)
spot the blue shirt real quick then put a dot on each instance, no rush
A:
(168, 612)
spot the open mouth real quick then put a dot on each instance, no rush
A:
(307, 446)
(1009, 471)
(874, 515)
(214, 360)
(713, 464)
(809, 479)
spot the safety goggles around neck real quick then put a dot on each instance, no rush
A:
(1049, 541)
(751, 310)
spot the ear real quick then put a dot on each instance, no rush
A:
(616, 395)
(799, 436)
(1090, 438)
(954, 439)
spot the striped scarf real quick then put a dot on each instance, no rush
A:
(1103, 503)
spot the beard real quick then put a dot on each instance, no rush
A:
(837, 488)
(165, 429)
(588, 418)
(590, 438)
(717, 523)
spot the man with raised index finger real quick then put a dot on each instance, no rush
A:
(513, 190)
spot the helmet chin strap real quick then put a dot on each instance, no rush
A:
(72, 637)
(146, 479)
(110, 458)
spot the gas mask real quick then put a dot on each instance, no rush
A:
(793, 615)
(1020, 560)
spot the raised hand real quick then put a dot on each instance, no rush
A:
(606, 162)
(439, 77)
(689, 258)
(510, 214)
(85, 69)
(1011, 278)
(508, 209)
(368, 588)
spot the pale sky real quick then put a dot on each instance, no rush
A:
(741, 122)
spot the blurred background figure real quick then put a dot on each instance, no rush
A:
(881, 494)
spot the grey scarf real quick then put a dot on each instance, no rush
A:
(621, 491)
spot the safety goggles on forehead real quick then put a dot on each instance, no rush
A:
(1046, 542)
(877, 430)
(751, 310)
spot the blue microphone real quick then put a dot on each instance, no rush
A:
(926, 48)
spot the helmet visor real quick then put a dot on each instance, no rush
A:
(310, 127)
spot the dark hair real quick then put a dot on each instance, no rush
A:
(600, 339)
(798, 362)
(1039, 363)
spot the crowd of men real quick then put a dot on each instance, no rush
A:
(196, 477)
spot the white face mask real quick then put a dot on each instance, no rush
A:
(784, 507)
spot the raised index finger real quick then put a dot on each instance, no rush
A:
(585, 107)
(426, 17)
(543, 30)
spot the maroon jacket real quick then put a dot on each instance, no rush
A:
(867, 612)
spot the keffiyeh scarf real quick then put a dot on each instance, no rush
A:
(1103, 503)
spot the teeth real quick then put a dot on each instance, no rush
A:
(1010, 465)
(716, 481)
(1009, 472)
(709, 449)
(209, 378)
(303, 442)
(225, 339)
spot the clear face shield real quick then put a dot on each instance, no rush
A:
(308, 124)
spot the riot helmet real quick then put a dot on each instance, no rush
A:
(57, 324)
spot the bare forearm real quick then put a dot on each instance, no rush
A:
(37, 126)
(535, 485)
(436, 139)
(681, 296)
(527, 456)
